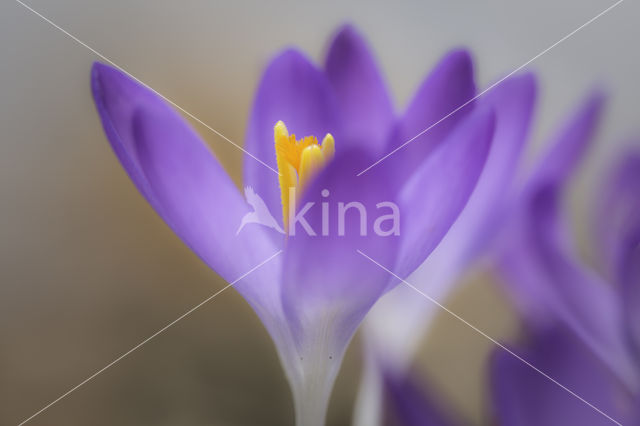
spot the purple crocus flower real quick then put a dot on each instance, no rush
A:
(312, 297)
(581, 328)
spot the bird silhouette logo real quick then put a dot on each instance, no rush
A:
(260, 214)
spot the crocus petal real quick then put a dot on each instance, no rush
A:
(524, 397)
(513, 101)
(567, 291)
(449, 86)
(361, 92)
(437, 192)
(202, 205)
(396, 324)
(543, 274)
(117, 98)
(570, 144)
(618, 236)
(407, 403)
(516, 257)
(293, 90)
(180, 177)
(324, 274)
(630, 283)
(618, 212)
(328, 286)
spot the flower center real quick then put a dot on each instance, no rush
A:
(298, 162)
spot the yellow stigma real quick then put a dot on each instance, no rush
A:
(298, 162)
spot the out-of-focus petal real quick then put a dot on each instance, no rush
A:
(567, 149)
(524, 397)
(293, 90)
(179, 176)
(630, 281)
(618, 236)
(516, 254)
(513, 101)
(435, 195)
(449, 86)
(539, 262)
(560, 288)
(618, 212)
(407, 403)
(361, 92)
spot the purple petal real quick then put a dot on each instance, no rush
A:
(362, 95)
(396, 322)
(406, 403)
(630, 280)
(542, 271)
(437, 192)
(560, 288)
(449, 86)
(513, 101)
(180, 177)
(524, 397)
(571, 143)
(328, 286)
(618, 232)
(117, 98)
(517, 254)
(325, 278)
(293, 90)
(618, 211)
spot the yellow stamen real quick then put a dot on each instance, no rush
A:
(298, 162)
(311, 161)
(328, 147)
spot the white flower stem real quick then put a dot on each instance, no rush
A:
(312, 365)
(312, 391)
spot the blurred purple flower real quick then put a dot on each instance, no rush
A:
(523, 397)
(407, 402)
(312, 298)
(583, 330)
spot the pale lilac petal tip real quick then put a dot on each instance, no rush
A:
(571, 142)
(117, 98)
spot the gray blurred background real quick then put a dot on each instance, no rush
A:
(87, 270)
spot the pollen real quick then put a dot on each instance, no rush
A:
(298, 160)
